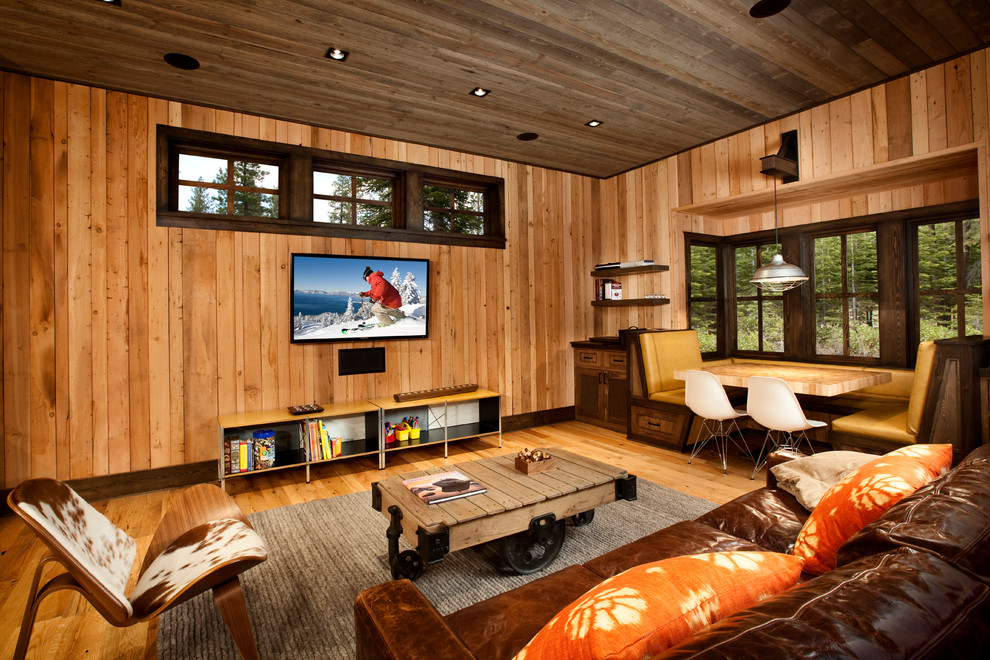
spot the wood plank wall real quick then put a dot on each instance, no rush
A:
(122, 341)
(941, 107)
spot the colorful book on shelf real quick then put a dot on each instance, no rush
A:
(443, 487)
(325, 442)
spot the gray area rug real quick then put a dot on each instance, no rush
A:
(321, 554)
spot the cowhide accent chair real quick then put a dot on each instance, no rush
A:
(203, 542)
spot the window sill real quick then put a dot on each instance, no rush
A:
(273, 226)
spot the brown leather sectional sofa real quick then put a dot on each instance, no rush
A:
(913, 584)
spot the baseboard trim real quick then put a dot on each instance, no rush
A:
(178, 476)
(110, 486)
(537, 418)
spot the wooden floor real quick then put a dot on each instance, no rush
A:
(68, 627)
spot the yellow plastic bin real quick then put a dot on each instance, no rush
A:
(402, 435)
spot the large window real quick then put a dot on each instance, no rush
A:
(759, 314)
(879, 285)
(949, 280)
(212, 181)
(847, 307)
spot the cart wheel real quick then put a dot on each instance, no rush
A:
(582, 519)
(407, 565)
(533, 550)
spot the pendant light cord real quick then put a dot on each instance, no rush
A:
(775, 239)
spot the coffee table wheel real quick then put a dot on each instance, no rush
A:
(408, 564)
(582, 519)
(533, 550)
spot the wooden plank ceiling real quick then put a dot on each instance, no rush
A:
(662, 75)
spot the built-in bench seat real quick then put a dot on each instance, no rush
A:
(878, 418)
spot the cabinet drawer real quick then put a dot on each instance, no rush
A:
(658, 425)
(615, 361)
(587, 358)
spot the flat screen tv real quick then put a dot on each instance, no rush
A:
(330, 300)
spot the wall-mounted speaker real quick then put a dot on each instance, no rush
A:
(352, 361)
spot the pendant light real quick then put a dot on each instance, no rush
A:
(778, 275)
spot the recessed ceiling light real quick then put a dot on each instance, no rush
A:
(181, 61)
(111, 2)
(768, 8)
(593, 123)
(527, 137)
(480, 91)
(337, 54)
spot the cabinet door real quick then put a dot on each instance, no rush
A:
(588, 394)
(617, 405)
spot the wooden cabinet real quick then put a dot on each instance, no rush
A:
(356, 424)
(360, 427)
(444, 419)
(601, 385)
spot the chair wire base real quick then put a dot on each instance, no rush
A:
(720, 432)
(780, 440)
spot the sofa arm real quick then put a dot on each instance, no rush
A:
(395, 621)
(775, 459)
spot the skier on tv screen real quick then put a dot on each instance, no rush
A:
(385, 296)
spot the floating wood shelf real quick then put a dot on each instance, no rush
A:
(913, 170)
(632, 270)
(630, 302)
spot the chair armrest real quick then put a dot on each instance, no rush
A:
(395, 621)
(776, 458)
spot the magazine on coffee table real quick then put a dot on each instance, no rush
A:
(443, 487)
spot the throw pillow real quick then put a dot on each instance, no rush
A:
(650, 607)
(862, 497)
(808, 478)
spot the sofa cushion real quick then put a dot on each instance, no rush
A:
(667, 352)
(887, 421)
(648, 608)
(674, 397)
(950, 517)
(862, 497)
(497, 628)
(900, 605)
(807, 478)
(770, 518)
(919, 388)
(684, 538)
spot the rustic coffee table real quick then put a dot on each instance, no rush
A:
(525, 513)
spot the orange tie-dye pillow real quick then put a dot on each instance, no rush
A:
(650, 607)
(862, 497)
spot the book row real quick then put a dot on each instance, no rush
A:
(606, 289)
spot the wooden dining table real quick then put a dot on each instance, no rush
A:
(804, 379)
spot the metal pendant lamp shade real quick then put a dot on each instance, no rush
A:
(778, 275)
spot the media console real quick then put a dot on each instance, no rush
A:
(360, 425)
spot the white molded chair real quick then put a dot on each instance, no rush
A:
(705, 396)
(772, 404)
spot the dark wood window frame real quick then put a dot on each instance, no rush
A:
(296, 165)
(899, 327)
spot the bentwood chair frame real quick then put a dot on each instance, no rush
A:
(203, 542)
